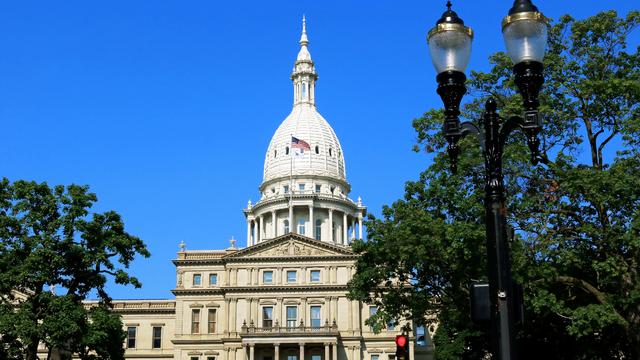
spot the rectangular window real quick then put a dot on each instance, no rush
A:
(292, 316)
(375, 357)
(292, 357)
(195, 358)
(372, 311)
(315, 316)
(301, 229)
(391, 325)
(315, 275)
(213, 279)
(291, 276)
(131, 337)
(157, 337)
(318, 188)
(316, 357)
(211, 321)
(197, 279)
(267, 277)
(301, 187)
(211, 358)
(195, 321)
(286, 189)
(267, 316)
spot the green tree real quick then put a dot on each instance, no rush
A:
(48, 238)
(576, 215)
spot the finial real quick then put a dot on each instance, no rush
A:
(183, 246)
(449, 5)
(232, 242)
(249, 204)
(303, 38)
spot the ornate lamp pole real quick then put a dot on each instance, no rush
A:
(525, 35)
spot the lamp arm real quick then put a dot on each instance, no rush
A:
(518, 123)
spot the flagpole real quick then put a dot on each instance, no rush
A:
(291, 185)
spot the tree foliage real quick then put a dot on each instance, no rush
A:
(49, 239)
(576, 215)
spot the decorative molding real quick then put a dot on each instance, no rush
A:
(214, 305)
(196, 305)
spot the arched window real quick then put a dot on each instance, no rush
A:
(318, 229)
(275, 153)
(286, 226)
(330, 152)
(317, 149)
(304, 90)
(286, 150)
(301, 226)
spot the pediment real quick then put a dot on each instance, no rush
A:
(291, 245)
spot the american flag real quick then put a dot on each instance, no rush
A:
(299, 144)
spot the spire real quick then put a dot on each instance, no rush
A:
(304, 41)
(304, 73)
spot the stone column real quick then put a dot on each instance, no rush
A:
(274, 224)
(328, 309)
(335, 352)
(226, 317)
(303, 313)
(252, 349)
(276, 351)
(353, 228)
(260, 228)
(326, 351)
(356, 316)
(331, 239)
(248, 232)
(301, 351)
(360, 226)
(291, 227)
(311, 231)
(303, 275)
(345, 229)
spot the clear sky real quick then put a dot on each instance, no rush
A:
(166, 108)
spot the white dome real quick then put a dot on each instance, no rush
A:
(325, 157)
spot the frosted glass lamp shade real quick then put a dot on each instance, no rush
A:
(450, 47)
(525, 37)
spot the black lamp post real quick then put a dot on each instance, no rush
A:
(525, 35)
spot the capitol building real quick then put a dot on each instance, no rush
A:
(283, 296)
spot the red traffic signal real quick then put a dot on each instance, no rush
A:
(402, 347)
(401, 340)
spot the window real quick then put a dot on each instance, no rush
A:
(315, 316)
(301, 187)
(292, 316)
(318, 229)
(286, 226)
(195, 321)
(275, 153)
(316, 357)
(301, 226)
(375, 357)
(267, 277)
(286, 189)
(197, 279)
(315, 275)
(211, 321)
(391, 325)
(304, 90)
(211, 358)
(318, 188)
(330, 152)
(267, 316)
(157, 337)
(195, 358)
(213, 279)
(317, 149)
(286, 150)
(291, 276)
(372, 311)
(292, 357)
(131, 337)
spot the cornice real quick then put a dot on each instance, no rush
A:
(260, 289)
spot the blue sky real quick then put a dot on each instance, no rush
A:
(166, 108)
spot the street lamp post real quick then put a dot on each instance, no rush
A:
(525, 33)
